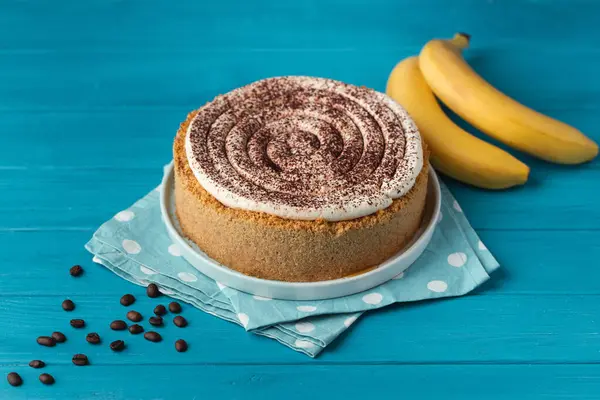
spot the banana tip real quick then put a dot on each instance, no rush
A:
(465, 35)
(461, 40)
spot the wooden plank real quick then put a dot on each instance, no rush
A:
(478, 329)
(533, 262)
(49, 197)
(120, 80)
(151, 382)
(142, 138)
(102, 140)
(268, 24)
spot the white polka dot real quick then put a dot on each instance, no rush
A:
(187, 277)
(143, 282)
(457, 259)
(399, 276)
(244, 319)
(440, 217)
(306, 308)
(174, 250)
(97, 260)
(147, 270)
(349, 321)
(304, 344)
(124, 216)
(260, 298)
(437, 286)
(131, 246)
(221, 286)
(372, 298)
(166, 291)
(457, 206)
(305, 327)
(481, 246)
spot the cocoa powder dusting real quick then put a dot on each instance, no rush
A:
(308, 143)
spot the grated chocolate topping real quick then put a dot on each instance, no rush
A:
(304, 148)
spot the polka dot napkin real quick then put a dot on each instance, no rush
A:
(135, 245)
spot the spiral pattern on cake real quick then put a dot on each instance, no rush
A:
(304, 148)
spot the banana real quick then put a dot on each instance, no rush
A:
(483, 106)
(454, 151)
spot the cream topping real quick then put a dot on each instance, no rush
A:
(304, 148)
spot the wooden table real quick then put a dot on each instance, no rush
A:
(91, 94)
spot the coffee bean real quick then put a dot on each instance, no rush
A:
(181, 345)
(76, 270)
(156, 321)
(136, 329)
(59, 337)
(117, 345)
(127, 300)
(37, 364)
(160, 310)
(68, 305)
(152, 290)
(93, 338)
(134, 316)
(46, 341)
(175, 307)
(118, 325)
(152, 336)
(180, 321)
(80, 360)
(77, 323)
(46, 379)
(14, 379)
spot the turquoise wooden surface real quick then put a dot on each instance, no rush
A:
(91, 94)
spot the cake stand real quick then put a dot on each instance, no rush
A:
(301, 290)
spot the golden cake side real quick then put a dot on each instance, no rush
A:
(270, 247)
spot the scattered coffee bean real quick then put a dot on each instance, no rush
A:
(136, 329)
(117, 345)
(77, 323)
(76, 270)
(127, 300)
(80, 360)
(118, 325)
(37, 364)
(68, 305)
(181, 345)
(134, 316)
(156, 321)
(14, 379)
(152, 336)
(93, 338)
(160, 310)
(180, 321)
(59, 337)
(152, 290)
(46, 341)
(175, 307)
(46, 379)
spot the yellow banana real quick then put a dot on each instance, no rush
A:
(492, 112)
(454, 151)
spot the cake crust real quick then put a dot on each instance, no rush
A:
(271, 247)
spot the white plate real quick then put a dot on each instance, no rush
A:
(302, 290)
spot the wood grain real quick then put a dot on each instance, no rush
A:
(237, 382)
(90, 97)
(533, 263)
(490, 329)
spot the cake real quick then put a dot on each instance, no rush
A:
(300, 179)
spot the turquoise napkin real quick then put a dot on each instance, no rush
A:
(135, 246)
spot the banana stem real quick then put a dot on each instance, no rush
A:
(460, 40)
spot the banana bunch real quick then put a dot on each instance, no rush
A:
(440, 69)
